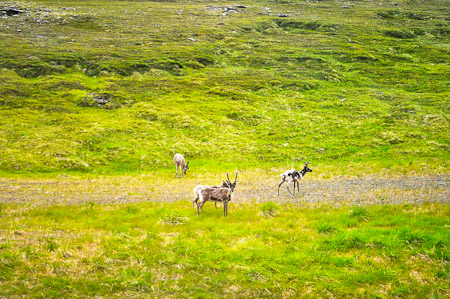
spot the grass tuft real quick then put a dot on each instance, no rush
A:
(174, 218)
(360, 213)
(269, 209)
(326, 228)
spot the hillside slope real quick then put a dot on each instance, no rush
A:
(116, 86)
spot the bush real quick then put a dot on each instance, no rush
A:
(269, 209)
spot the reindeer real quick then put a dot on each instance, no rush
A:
(222, 195)
(198, 188)
(295, 176)
(179, 161)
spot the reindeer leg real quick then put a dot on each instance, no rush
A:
(294, 188)
(200, 207)
(298, 188)
(287, 186)
(282, 181)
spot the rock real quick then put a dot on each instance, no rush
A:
(11, 11)
(282, 15)
(101, 100)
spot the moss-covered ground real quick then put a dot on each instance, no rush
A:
(121, 86)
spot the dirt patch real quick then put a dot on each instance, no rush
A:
(129, 189)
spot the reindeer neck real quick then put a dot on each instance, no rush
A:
(303, 172)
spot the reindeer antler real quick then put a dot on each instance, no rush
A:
(228, 177)
(236, 177)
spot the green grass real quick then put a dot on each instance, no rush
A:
(355, 88)
(252, 90)
(164, 250)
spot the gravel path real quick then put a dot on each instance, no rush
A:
(370, 190)
(127, 189)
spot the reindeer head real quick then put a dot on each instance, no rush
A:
(229, 184)
(306, 168)
(185, 167)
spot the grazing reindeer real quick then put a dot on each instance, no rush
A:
(179, 161)
(222, 195)
(295, 176)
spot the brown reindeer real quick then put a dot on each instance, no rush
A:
(223, 195)
(198, 188)
(179, 161)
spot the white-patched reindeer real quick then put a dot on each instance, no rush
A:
(215, 194)
(179, 162)
(294, 176)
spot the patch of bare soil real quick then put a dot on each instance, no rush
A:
(250, 188)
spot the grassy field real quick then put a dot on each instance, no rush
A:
(121, 86)
(97, 96)
(259, 250)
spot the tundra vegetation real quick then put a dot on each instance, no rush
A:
(120, 86)
(96, 98)
(259, 250)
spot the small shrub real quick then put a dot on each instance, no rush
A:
(326, 228)
(269, 209)
(344, 242)
(89, 205)
(51, 245)
(403, 34)
(174, 219)
(255, 276)
(132, 209)
(411, 237)
(38, 69)
(359, 213)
